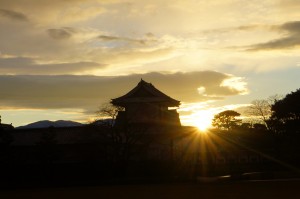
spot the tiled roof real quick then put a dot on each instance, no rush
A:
(145, 92)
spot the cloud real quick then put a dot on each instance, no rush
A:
(23, 65)
(292, 27)
(18, 16)
(125, 60)
(56, 12)
(124, 39)
(88, 92)
(67, 44)
(59, 33)
(132, 37)
(27, 39)
(77, 13)
(277, 44)
(289, 7)
(289, 40)
(233, 29)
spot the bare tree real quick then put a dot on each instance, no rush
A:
(261, 109)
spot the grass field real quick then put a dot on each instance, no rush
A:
(231, 190)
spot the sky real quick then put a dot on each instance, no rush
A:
(63, 59)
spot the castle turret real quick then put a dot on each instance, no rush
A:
(145, 104)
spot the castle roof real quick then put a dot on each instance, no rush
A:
(145, 92)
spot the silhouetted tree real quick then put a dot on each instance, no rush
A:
(107, 114)
(259, 127)
(286, 113)
(226, 120)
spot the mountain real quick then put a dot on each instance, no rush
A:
(47, 124)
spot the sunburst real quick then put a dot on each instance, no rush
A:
(202, 120)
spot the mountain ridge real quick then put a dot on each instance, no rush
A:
(48, 123)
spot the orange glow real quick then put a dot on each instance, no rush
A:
(202, 120)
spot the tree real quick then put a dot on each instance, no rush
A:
(226, 120)
(261, 109)
(107, 114)
(286, 113)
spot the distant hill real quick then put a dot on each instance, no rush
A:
(47, 124)
(102, 122)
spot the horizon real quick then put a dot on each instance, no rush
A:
(60, 60)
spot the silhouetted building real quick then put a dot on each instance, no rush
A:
(145, 104)
(5, 126)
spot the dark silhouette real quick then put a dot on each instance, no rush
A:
(145, 104)
(137, 121)
(138, 139)
(286, 114)
(226, 120)
(46, 147)
(6, 152)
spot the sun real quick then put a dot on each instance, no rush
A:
(202, 125)
(202, 119)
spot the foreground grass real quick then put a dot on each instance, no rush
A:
(252, 190)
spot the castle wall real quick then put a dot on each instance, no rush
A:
(148, 113)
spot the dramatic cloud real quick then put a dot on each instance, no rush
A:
(137, 36)
(13, 15)
(88, 92)
(291, 38)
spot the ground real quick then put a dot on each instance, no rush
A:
(288, 189)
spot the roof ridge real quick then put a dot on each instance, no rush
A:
(157, 95)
